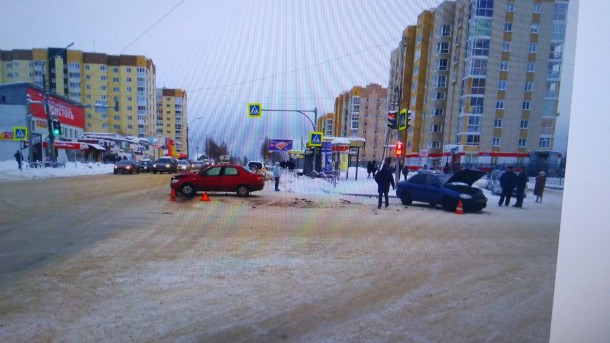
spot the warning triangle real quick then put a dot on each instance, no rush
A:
(254, 110)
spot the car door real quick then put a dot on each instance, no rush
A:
(431, 190)
(416, 187)
(229, 179)
(210, 179)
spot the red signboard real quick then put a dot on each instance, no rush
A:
(70, 145)
(67, 113)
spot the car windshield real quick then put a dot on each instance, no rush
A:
(125, 162)
(164, 160)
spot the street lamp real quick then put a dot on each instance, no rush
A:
(188, 151)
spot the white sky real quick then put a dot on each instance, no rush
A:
(285, 54)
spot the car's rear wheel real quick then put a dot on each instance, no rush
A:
(188, 190)
(243, 191)
(449, 204)
(405, 198)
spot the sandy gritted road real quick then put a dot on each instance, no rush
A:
(89, 259)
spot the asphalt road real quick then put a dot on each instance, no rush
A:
(111, 258)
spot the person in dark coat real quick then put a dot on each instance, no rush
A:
(19, 158)
(374, 168)
(369, 169)
(539, 186)
(508, 181)
(522, 180)
(405, 171)
(384, 179)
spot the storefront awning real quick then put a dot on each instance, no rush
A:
(96, 147)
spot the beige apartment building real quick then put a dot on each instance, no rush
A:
(483, 79)
(171, 118)
(117, 91)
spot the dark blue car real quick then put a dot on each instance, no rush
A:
(445, 190)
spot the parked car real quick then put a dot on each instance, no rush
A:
(165, 165)
(218, 178)
(196, 165)
(257, 167)
(493, 183)
(444, 189)
(146, 166)
(183, 166)
(126, 167)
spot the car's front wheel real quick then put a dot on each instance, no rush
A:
(188, 190)
(405, 199)
(243, 191)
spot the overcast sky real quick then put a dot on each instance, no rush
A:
(284, 54)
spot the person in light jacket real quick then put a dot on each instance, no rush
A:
(276, 175)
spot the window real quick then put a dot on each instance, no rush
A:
(438, 112)
(479, 47)
(528, 86)
(445, 30)
(531, 67)
(478, 86)
(482, 8)
(498, 123)
(103, 68)
(438, 96)
(115, 70)
(505, 46)
(128, 70)
(473, 140)
(117, 117)
(129, 127)
(502, 85)
(440, 81)
(544, 142)
(524, 123)
(442, 48)
(87, 67)
(115, 89)
(103, 78)
(104, 88)
(442, 64)
(128, 79)
(356, 104)
(508, 27)
(476, 106)
(436, 128)
(510, 7)
(500, 104)
(526, 105)
(534, 28)
(495, 141)
(129, 117)
(533, 47)
(522, 142)
(503, 66)
(434, 144)
(117, 127)
(115, 79)
(474, 124)
(536, 8)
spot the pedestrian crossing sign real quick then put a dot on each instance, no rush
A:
(255, 110)
(20, 133)
(315, 138)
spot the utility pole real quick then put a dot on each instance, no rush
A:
(47, 105)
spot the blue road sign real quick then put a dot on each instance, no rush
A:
(315, 138)
(255, 110)
(20, 133)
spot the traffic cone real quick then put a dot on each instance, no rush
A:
(172, 196)
(459, 209)
(205, 197)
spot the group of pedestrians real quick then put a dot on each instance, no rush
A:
(511, 181)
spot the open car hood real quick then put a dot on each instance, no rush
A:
(467, 176)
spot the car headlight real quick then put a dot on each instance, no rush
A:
(128, 167)
(465, 196)
(154, 165)
(167, 166)
(173, 180)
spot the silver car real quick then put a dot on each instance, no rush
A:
(493, 183)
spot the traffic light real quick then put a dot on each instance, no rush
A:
(392, 120)
(410, 116)
(56, 127)
(398, 149)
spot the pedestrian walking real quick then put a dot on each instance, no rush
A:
(522, 180)
(405, 171)
(276, 175)
(539, 186)
(508, 181)
(384, 179)
(19, 158)
(369, 169)
(374, 168)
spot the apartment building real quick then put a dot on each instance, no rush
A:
(484, 83)
(118, 92)
(361, 113)
(171, 117)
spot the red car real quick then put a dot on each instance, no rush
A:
(218, 178)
